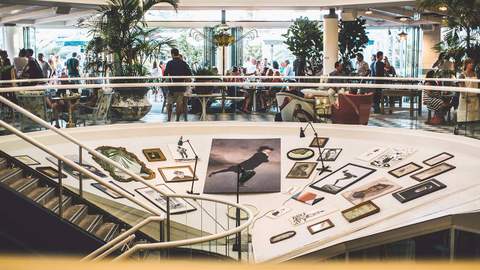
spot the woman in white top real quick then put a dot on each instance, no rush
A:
(469, 103)
(20, 62)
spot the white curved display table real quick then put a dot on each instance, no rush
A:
(461, 195)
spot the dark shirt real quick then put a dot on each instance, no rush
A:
(379, 69)
(72, 67)
(177, 67)
(253, 162)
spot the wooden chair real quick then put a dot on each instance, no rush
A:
(34, 102)
(99, 113)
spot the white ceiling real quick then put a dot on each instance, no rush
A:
(43, 13)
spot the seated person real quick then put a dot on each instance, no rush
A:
(434, 101)
(334, 91)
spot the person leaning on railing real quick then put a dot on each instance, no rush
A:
(469, 103)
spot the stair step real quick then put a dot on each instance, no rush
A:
(40, 193)
(90, 222)
(3, 163)
(52, 203)
(22, 183)
(30, 187)
(75, 212)
(107, 231)
(7, 173)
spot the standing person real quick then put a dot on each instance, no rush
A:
(155, 72)
(288, 71)
(32, 70)
(176, 67)
(46, 68)
(20, 62)
(372, 64)
(379, 72)
(251, 67)
(334, 91)
(469, 103)
(7, 72)
(362, 67)
(73, 67)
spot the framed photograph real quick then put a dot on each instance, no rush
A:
(320, 226)
(360, 211)
(330, 154)
(405, 169)
(50, 172)
(342, 178)
(370, 191)
(322, 141)
(154, 154)
(418, 190)
(71, 171)
(392, 156)
(110, 192)
(438, 159)
(300, 154)
(177, 174)
(177, 205)
(307, 197)
(302, 170)
(27, 160)
(283, 236)
(433, 171)
(181, 152)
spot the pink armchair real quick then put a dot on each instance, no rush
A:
(352, 109)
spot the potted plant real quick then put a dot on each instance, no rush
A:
(304, 39)
(121, 46)
(352, 39)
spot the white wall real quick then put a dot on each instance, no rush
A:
(430, 38)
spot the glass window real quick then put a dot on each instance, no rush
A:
(467, 245)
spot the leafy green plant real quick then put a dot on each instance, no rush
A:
(120, 32)
(352, 39)
(304, 39)
(194, 55)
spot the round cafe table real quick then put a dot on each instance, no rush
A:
(69, 100)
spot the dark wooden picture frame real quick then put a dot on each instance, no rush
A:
(392, 172)
(281, 237)
(375, 210)
(420, 179)
(321, 188)
(449, 156)
(323, 140)
(327, 149)
(193, 178)
(314, 165)
(188, 206)
(419, 190)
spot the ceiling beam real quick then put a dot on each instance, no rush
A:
(27, 14)
(66, 17)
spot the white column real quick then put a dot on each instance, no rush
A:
(220, 59)
(430, 39)
(330, 41)
(13, 40)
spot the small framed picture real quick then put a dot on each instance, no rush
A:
(300, 154)
(342, 178)
(154, 154)
(330, 154)
(322, 141)
(320, 226)
(27, 160)
(302, 170)
(177, 174)
(308, 197)
(281, 237)
(50, 172)
(405, 169)
(438, 159)
(418, 190)
(432, 172)
(177, 205)
(110, 192)
(360, 211)
(370, 191)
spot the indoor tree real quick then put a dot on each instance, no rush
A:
(121, 35)
(304, 38)
(352, 39)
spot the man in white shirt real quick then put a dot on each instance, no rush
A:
(251, 67)
(288, 71)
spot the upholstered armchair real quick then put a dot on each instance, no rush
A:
(294, 108)
(352, 109)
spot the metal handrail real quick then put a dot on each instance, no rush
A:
(46, 80)
(115, 247)
(107, 184)
(249, 84)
